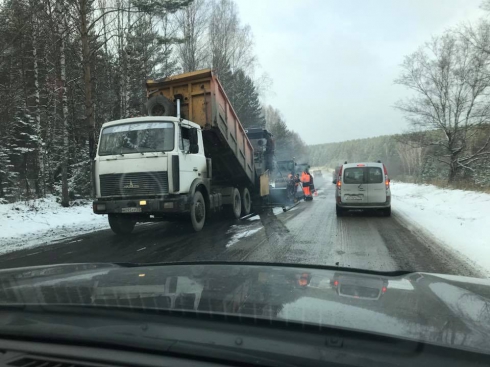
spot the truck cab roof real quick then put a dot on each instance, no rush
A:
(150, 119)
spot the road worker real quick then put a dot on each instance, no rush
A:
(306, 180)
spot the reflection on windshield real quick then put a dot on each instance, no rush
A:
(137, 138)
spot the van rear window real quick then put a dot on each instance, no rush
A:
(374, 175)
(354, 175)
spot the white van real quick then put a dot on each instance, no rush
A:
(363, 186)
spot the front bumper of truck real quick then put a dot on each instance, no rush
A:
(171, 204)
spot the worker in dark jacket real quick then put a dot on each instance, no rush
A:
(312, 185)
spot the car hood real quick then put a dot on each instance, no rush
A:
(434, 308)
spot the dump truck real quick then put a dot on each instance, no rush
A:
(189, 158)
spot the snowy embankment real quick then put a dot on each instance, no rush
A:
(36, 222)
(458, 219)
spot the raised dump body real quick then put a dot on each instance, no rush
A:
(203, 101)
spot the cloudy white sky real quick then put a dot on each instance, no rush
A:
(333, 62)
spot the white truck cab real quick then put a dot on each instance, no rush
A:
(148, 165)
(363, 186)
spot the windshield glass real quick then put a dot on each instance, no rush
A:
(338, 136)
(137, 138)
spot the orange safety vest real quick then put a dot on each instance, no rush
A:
(305, 178)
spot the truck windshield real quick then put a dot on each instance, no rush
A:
(137, 138)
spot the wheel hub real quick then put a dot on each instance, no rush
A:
(199, 210)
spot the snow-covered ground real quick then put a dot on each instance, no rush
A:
(456, 218)
(36, 222)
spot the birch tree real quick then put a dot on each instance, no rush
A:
(192, 22)
(231, 44)
(61, 27)
(450, 80)
(36, 111)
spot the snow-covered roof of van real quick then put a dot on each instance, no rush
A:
(366, 164)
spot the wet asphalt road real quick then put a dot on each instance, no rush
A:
(310, 233)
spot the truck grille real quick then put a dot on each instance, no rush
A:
(134, 184)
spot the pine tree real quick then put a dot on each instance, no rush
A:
(245, 100)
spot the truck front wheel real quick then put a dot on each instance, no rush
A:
(198, 211)
(120, 224)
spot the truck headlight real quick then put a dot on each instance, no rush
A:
(100, 207)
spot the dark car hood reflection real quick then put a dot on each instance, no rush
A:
(441, 309)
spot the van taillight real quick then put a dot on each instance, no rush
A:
(385, 170)
(387, 183)
(339, 184)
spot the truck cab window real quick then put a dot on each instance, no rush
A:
(184, 142)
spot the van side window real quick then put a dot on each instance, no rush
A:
(354, 175)
(374, 175)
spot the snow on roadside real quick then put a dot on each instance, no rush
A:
(458, 219)
(38, 222)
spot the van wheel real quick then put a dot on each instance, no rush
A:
(339, 211)
(246, 202)
(235, 208)
(387, 211)
(120, 224)
(198, 211)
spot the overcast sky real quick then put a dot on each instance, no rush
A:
(333, 62)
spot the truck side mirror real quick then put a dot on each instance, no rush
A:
(194, 141)
(193, 136)
(193, 149)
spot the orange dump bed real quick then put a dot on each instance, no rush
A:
(204, 102)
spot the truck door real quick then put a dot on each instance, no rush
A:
(376, 189)
(353, 187)
(189, 163)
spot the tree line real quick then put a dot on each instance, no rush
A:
(405, 162)
(68, 66)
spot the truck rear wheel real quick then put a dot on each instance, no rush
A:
(198, 211)
(121, 224)
(160, 106)
(235, 208)
(246, 202)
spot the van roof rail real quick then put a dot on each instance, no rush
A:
(379, 161)
(345, 162)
